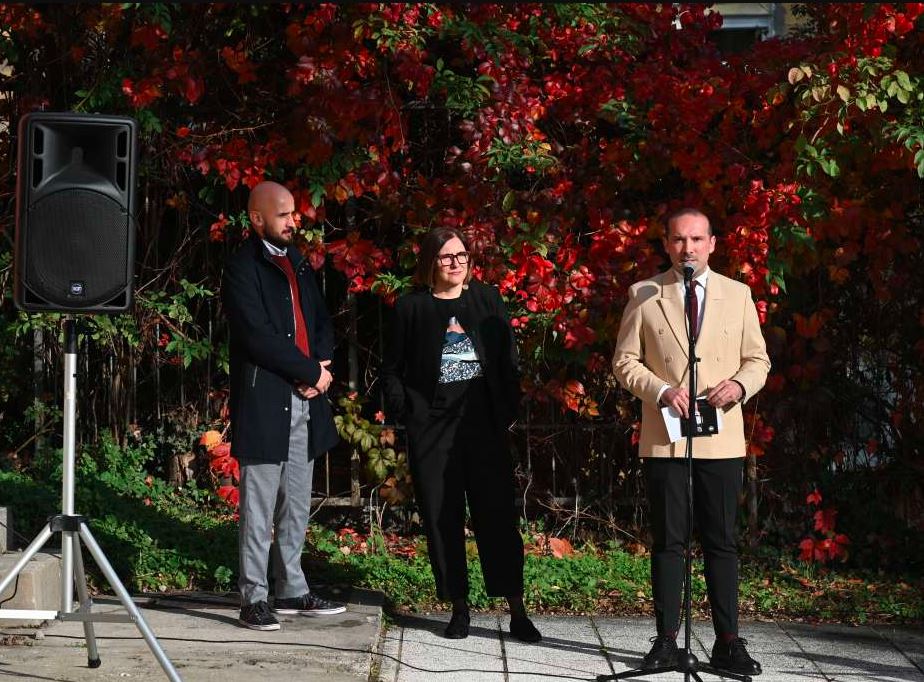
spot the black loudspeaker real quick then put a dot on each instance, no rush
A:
(75, 227)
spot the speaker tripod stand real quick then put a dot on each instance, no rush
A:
(74, 529)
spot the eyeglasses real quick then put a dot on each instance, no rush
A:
(447, 259)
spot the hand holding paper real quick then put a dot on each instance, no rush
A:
(708, 421)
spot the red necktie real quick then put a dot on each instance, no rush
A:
(693, 309)
(301, 330)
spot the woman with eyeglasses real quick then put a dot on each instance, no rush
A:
(450, 375)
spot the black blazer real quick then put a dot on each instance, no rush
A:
(265, 363)
(411, 365)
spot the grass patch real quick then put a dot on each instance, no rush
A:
(609, 580)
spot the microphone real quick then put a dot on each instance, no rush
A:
(687, 274)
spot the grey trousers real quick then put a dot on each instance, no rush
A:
(275, 501)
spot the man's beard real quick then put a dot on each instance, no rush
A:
(279, 242)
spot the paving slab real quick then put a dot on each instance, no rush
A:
(426, 655)
(843, 652)
(570, 649)
(910, 641)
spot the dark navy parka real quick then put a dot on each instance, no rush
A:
(265, 363)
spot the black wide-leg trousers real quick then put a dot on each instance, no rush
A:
(716, 486)
(455, 458)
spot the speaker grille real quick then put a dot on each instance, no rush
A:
(77, 246)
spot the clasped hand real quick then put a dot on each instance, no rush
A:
(322, 385)
(722, 395)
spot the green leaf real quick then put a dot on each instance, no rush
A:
(903, 80)
(919, 162)
(843, 92)
(366, 441)
(584, 49)
(507, 203)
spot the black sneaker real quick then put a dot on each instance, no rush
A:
(307, 605)
(663, 653)
(257, 616)
(733, 657)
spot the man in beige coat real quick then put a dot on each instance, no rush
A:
(650, 361)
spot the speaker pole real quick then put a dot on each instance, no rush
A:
(73, 529)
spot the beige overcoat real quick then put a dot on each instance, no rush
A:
(652, 348)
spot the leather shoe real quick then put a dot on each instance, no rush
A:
(523, 629)
(458, 625)
(663, 653)
(732, 656)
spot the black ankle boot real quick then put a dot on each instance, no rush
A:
(458, 624)
(523, 629)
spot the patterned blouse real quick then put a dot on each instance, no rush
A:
(460, 361)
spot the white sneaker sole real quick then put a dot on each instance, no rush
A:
(315, 612)
(254, 626)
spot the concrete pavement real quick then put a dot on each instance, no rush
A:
(580, 648)
(200, 635)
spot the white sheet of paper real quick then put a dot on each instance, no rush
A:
(672, 422)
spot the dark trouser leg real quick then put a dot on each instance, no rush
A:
(717, 484)
(439, 486)
(667, 501)
(490, 489)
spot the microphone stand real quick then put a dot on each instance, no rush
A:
(687, 663)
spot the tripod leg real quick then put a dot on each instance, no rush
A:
(86, 606)
(128, 603)
(27, 555)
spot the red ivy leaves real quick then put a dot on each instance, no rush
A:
(143, 92)
(237, 61)
(359, 259)
(759, 434)
(217, 229)
(573, 396)
(148, 37)
(235, 161)
(826, 549)
(830, 545)
(223, 466)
